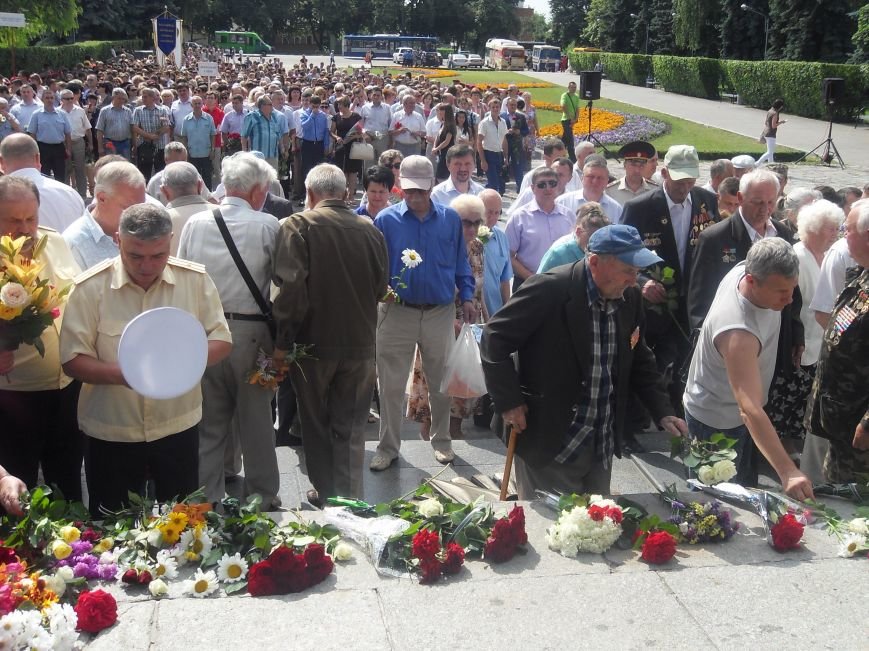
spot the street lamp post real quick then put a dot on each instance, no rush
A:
(746, 7)
(647, 30)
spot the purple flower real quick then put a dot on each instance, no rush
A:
(81, 547)
(108, 571)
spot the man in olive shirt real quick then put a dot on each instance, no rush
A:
(131, 436)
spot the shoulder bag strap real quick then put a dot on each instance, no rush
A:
(264, 307)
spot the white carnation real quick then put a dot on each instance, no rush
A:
(859, 525)
(158, 588)
(14, 295)
(343, 552)
(55, 583)
(66, 573)
(576, 532)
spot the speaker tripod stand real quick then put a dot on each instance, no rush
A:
(590, 137)
(830, 152)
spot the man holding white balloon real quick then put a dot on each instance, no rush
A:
(151, 431)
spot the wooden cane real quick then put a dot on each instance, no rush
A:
(508, 464)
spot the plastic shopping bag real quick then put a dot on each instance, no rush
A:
(463, 375)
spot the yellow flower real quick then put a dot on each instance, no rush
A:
(601, 120)
(60, 549)
(69, 533)
(8, 313)
(170, 533)
(178, 520)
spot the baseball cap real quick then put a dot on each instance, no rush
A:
(682, 162)
(623, 242)
(416, 173)
(743, 161)
(637, 150)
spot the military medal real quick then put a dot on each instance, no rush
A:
(635, 338)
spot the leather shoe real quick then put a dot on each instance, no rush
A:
(444, 456)
(314, 499)
(380, 462)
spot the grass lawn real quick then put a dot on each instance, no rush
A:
(710, 142)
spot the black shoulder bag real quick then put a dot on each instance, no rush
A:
(264, 306)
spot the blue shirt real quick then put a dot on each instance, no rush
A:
(565, 250)
(315, 126)
(88, 242)
(496, 269)
(264, 134)
(50, 127)
(199, 133)
(439, 242)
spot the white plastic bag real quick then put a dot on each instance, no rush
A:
(463, 375)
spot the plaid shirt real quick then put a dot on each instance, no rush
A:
(149, 120)
(595, 414)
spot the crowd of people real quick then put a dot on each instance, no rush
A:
(734, 307)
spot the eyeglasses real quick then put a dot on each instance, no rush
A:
(542, 185)
(469, 224)
(66, 99)
(395, 166)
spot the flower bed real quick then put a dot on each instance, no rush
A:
(610, 127)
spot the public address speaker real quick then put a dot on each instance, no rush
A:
(589, 84)
(833, 89)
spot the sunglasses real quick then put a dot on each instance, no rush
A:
(395, 166)
(542, 185)
(469, 224)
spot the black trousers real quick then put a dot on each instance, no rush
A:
(312, 154)
(53, 159)
(567, 139)
(113, 469)
(41, 428)
(149, 159)
(204, 167)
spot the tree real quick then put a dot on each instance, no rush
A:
(568, 21)
(609, 25)
(58, 17)
(540, 28)
(661, 27)
(742, 33)
(861, 37)
(808, 30)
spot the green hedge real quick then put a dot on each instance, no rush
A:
(695, 76)
(38, 58)
(757, 83)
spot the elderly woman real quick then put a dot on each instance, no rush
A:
(472, 212)
(570, 248)
(818, 227)
(791, 205)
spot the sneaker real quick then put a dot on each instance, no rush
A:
(380, 462)
(444, 456)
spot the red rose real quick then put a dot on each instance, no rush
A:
(431, 571)
(517, 517)
(96, 610)
(787, 533)
(295, 580)
(130, 576)
(504, 532)
(261, 579)
(614, 514)
(426, 544)
(455, 557)
(89, 535)
(7, 555)
(497, 551)
(144, 577)
(596, 513)
(659, 547)
(319, 569)
(283, 559)
(314, 552)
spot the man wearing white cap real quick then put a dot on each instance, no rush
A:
(742, 165)
(421, 309)
(670, 220)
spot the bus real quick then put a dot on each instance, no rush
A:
(504, 54)
(545, 58)
(383, 45)
(247, 42)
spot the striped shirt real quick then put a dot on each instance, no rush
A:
(264, 134)
(115, 122)
(595, 414)
(151, 120)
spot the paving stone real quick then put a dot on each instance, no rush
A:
(132, 632)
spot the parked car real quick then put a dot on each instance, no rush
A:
(457, 60)
(475, 61)
(398, 55)
(432, 59)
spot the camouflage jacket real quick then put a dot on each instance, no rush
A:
(840, 394)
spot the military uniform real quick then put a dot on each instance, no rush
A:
(619, 190)
(840, 397)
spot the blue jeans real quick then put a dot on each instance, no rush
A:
(746, 452)
(122, 147)
(495, 161)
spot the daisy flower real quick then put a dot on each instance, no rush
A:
(202, 584)
(851, 544)
(196, 543)
(410, 258)
(166, 566)
(231, 569)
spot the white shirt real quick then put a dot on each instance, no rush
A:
(78, 122)
(493, 134)
(445, 192)
(810, 271)
(59, 204)
(180, 110)
(831, 277)
(526, 194)
(769, 230)
(375, 118)
(414, 122)
(155, 190)
(680, 217)
(571, 201)
(254, 234)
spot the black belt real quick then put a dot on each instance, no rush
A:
(422, 306)
(235, 316)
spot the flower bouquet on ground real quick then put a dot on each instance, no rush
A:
(429, 537)
(783, 519)
(656, 540)
(711, 461)
(28, 304)
(699, 522)
(586, 523)
(853, 534)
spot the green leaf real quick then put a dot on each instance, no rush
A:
(232, 588)
(303, 541)
(691, 461)
(261, 541)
